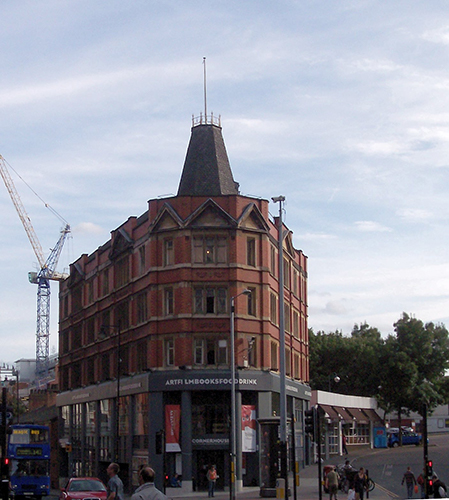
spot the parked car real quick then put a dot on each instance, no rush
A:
(408, 437)
(79, 488)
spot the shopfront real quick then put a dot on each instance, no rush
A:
(192, 409)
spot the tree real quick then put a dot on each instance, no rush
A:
(398, 378)
(402, 371)
(353, 358)
(427, 347)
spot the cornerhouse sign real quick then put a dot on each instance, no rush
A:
(210, 381)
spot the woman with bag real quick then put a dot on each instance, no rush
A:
(360, 484)
(212, 478)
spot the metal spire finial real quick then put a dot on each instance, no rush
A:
(205, 96)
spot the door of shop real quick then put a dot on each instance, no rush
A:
(203, 459)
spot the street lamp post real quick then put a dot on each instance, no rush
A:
(232, 488)
(282, 375)
(117, 406)
(15, 373)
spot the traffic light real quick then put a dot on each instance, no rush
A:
(5, 468)
(310, 422)
(429, 475)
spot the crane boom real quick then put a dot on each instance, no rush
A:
(26, 221)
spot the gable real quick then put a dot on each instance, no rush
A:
(288, 243)
(252, 218)
(166, 219)
(210, 214)
(76, 275)
(122, 243)
(210, 217)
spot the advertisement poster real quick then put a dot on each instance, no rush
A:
(172, 420)
(249, 425)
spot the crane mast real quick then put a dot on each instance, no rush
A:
(42, 278)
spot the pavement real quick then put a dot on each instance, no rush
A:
(307, 489)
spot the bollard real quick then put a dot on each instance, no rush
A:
(280, 489)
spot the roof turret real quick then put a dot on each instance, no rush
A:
(206, 169)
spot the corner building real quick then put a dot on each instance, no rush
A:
(146, 317)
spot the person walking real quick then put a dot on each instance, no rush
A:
(422, 484)
(410, 481)
(147, 490)
(115, 485)
(332, 484)
(212, 478)
(343, 441)
(439, 488)
(360, 484)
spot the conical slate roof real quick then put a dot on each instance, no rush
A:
(206, 169)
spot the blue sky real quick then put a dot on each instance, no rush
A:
(342, 107)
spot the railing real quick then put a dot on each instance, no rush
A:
(206, 120)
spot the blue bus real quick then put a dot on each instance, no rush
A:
(29, 460)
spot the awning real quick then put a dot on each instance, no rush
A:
(358, 415)
(372, 415)
(347, 417)
(333, 415)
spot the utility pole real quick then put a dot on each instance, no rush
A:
(5, 465)
(283, 394)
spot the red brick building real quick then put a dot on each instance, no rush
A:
(148, 314)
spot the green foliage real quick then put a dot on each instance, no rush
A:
(403, 370)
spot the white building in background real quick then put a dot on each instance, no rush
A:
(26, 368)
(437, 421)
(354, 416)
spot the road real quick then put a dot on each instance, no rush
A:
(387, 466)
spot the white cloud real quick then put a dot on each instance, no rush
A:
(414, 214)
(439, 35)
(317, 236)
(89, 228)
(336, 307)
(371, 226)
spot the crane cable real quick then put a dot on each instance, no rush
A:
(52, 210)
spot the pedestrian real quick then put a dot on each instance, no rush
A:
(422, 484)
(343, 440)
(360, 484)
(351, 494)
(410, 481)
(115, 485)
(332, 483)
(439, 488)
(349, 474)
(212, 478)
(147, 490)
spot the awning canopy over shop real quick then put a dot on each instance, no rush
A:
(333, 415)
(343, 414)
(372, 415)
(358, 415)
(349, 415)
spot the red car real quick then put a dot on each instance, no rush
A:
(83, 488)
